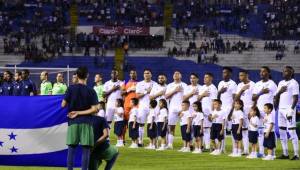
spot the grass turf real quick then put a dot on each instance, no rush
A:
(141, 159)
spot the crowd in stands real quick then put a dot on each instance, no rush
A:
(282, 20)
(125, 12)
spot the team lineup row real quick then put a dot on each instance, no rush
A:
(186, 103)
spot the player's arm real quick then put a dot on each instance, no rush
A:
(171, 93)
(189, 122)
(154, 96)
(269, 130)
(223, 125)
(277, 96)
(201, 123)
(295, 101)
(104, 136)
(93, 109)
(240, 126)
(107, 93)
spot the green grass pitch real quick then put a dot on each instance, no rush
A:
(141, 159)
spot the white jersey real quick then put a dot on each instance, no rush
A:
(133, 114)
(157, 88)
(226, 97)
(189, 89)
(151, 116)
(220, 116)
(268, 120)
(101, 113)
(265, 98)
(197, 118)
(111, 99)
(142, 87)
(254, 123)
(206, 102)
(118, 117)
(247, 95)
(286, 98)
(186, 115)
(176, 99)
(162, 115)
(237, 115)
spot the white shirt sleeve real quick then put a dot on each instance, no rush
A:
(295, 90)
(139, 88)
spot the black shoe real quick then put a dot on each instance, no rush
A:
(245, 154)
(140, 145)
(284, 157)
(295, 158)
(192, 147)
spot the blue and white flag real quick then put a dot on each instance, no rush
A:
(33, 131)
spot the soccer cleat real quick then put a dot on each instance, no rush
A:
(161, 148)
(133, 146)
(268, 158)
(284, 157)
(119, 145)
(295, 158)
(251, 156)
(218, 152)
(232, 154)
(213, 152)
(169, 147)
(182, 149)
(197, 151)
(140, 145)
(237, 155)
(187, 149)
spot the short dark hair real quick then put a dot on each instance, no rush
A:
(269, 106)
(162, 74)
(148, 69)
(135, 101)
(195, 74)
(267, 68)
(199, 106)
(292, 70)
(26, 71)
(244, 71)
(19, 73)
(98, 74)
(218, 100)
(209, 74)
(153, 103)
(228, 69)
(120, 102)
(186, 102)
(82, 72)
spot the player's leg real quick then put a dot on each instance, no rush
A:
(85, 160)
(172, 120)
(245, 132)
(143, 112)
(291, 124)
(71, 156)
(283, 133)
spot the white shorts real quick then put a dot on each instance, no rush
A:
(109, 115)
(142, 115)
(206, 122)
(282, 118)
(246, 117)
(173, 116)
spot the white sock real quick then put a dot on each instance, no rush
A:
(295, 143)
(234, 151)
(284, 141)
(141, 135)
(207, 138)
(245, 141)
(261, 141)
(239, 151)
(170, 139)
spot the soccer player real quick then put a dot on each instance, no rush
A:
(81, 102)
(226, 93)
(143, 89)
(158, 91)
(174, 93)
(286, 99)
(269, 135)
(245, 92)
(128, 91)
(264, 92)
(191, 93)
(17, 84)
(112, 91)
(46, 86)
(207, 94)
(102, 149)
(28, 87)
(98, 87)
(185, 125)
(217, 118)
(59, 87)
(7, 85)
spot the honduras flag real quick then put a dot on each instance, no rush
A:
(33, 131)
